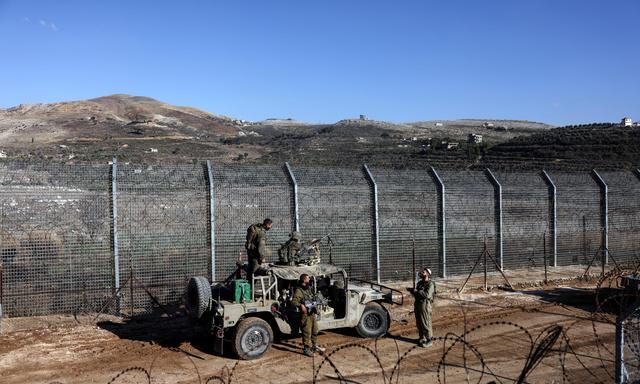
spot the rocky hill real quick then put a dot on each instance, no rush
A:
(141, 129)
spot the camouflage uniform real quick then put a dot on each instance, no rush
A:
(308, 322)
(256, 246)
(422, 308)
(288, 253)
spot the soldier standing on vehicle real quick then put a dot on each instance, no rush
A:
(423, 294)
(288, 254)
(309, 321)
(256, 246)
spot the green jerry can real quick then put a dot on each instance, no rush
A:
(241, 290)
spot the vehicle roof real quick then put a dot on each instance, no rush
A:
(287, 272)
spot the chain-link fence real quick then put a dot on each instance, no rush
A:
(628, 345)
(88, 237)
(624, 221)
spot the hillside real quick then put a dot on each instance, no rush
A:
(141, 129)
(583, 146)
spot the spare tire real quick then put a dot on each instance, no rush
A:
(198, 296)
(374, 322)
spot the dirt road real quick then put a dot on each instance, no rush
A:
(482, 337)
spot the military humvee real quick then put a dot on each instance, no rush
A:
(247, 319)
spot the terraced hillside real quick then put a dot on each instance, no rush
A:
(584, 146)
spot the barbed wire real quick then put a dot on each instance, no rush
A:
(554, 339)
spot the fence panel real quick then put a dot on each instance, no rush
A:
(579, 218)
(163, 231)
(525, 206)
(55, 238)
(408, 208)
(628, 346)
(470, 214)
(624, 215)
(246, 195)
(339, 202)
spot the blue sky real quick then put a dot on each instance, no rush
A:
(560, 62)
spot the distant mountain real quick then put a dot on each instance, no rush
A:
(141, 129)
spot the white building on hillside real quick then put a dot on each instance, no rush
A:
(626, 122)
(474, 139)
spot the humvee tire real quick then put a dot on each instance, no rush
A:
(198, 296)
(252, 338)
(374, 322)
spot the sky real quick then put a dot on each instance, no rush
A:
(558, 62)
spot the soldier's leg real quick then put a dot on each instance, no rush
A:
(419, 321)
(314, 329)
(251, 270)
(306, 327)
(428, 333)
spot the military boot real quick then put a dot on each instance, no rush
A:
(307, 351)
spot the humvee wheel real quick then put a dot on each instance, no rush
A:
(374, 322)
(252, 339)
(198, 296)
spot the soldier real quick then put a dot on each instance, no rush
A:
(256, 246)
(288, 254)
(423, 294)
(308, 320)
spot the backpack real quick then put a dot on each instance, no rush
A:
(252, 232)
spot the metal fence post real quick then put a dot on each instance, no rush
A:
(554, 213)
(294, 184)
(604, 211)
(114, 212)
(442, 219)
(376, 228)
(498, 196)
(619, 355)
(212, 220)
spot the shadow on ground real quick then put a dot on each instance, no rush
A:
(605, 300)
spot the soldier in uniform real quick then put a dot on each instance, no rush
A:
(423, 294)
(288, 254)
(256, 246)
(308, 320)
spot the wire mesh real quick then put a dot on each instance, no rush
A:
(408, 209)
(624, 215)
(54, 238)
(526, 232)
(163, 231)
(579, 220)
(631, 346)
(338, 202)
(470, 214)
(246, 195)
(56, 234)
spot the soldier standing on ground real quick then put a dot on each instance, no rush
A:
(309, 320)
(423, 294)
(256, 246)
(288, 254)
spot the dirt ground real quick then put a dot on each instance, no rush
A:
(554, 332)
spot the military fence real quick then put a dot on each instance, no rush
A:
(126, 237)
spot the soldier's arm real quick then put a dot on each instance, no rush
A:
(262, 246)
(298, 300)
(421, 292)
(429, 291)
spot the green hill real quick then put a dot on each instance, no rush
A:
(588, 146)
